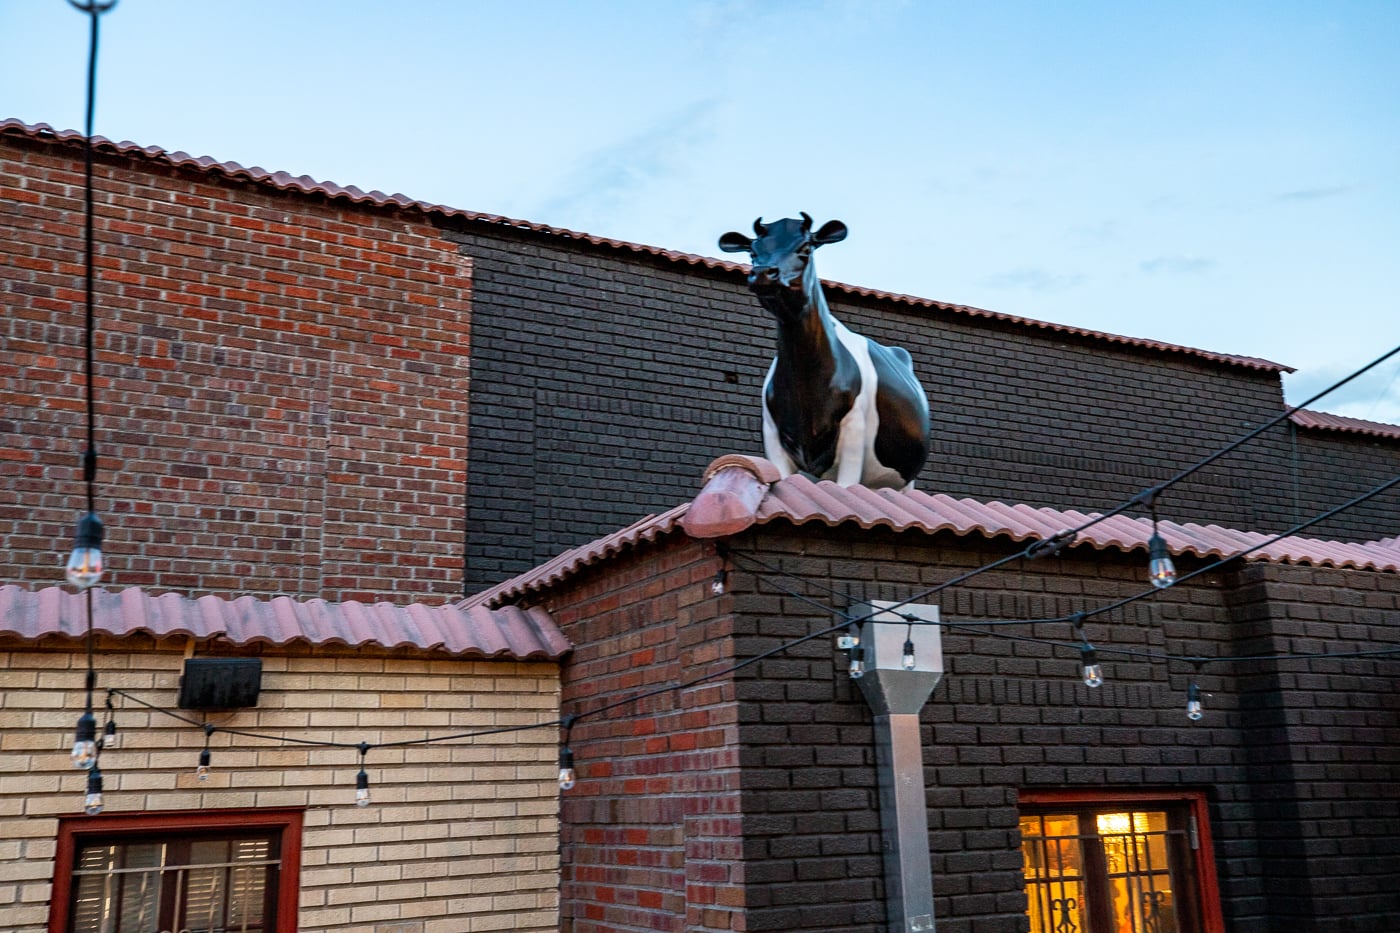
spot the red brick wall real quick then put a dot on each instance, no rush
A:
(650, 838)
(282, 384)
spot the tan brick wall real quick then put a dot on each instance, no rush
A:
(460, 837)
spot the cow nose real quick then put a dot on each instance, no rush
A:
(764, 275)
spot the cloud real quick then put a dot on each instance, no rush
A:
(1316, 194)
(1177, 265)
(603, 181)
(1034, 279)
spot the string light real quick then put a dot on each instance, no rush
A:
(362, 779)
(567, 776)
(84, 752)
(908, 660)
(93, 802)
(1160, 569)
(1194, 710)
(857, 658)
(1088, 657)
(201, 772)
(109, 731)
(846, 625)
(85, 565)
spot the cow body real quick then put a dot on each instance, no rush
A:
(836, 405)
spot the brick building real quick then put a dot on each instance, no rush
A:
(316, 392)
(460, 835)
(746, 801)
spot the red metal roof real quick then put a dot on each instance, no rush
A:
(1321, 420)
(303, 184)
(800, 501)
(508, 633)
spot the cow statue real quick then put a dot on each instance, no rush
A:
(836, 405)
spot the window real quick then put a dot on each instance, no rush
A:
(220, 872)
(1119, 863)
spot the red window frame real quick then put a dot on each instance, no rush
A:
(1212, 919)
(72, 831)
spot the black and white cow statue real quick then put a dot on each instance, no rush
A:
(836, 405)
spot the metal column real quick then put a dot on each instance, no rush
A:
(896, 696)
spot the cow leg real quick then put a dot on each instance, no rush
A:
(773, 448)
(852, 443)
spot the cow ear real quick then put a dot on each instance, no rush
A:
(735, 243)
(833, 231)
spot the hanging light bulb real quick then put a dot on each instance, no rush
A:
(109, 735)
(362, 789)
(1194, 711)
(909, 661)
(1093, 672)
(857, 665)
(202, 771)
(85, 741)
(85, 563)
(93, 803)
(717, 587)
(567, 777)
(1160, 569)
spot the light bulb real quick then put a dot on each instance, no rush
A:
(362, 789)
(93, 803)
(85, 563)
(1093, 672)
(202, 771)
(1160, 569)
(909, 660)
(109, 735)
(567, 777)
(717, 587)
(1194, 710)
(85, 741)
(857, 667)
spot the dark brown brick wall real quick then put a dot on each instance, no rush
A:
(282, 384)
(606, 381)
(1298, 763)
(1297, 759)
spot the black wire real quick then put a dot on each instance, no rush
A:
(1249, 550)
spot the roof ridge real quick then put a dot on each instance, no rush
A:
(304, 184)
(1326, 421)
(733, 484)
(504, 633)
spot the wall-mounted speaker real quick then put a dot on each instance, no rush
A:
(220, 683)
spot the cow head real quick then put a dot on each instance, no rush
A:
(780, 255)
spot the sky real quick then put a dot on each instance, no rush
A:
(1220, 175)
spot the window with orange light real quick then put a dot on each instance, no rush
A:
(1125, 863)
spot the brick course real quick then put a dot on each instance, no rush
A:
(281, 384)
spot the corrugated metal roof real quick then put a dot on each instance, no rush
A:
(507, 633)
(304, 184)
(801, 501)
(1321, 420)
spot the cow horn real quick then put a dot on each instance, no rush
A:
(759, 227)
(806, 222)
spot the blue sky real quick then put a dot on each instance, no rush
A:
(1218, 175)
